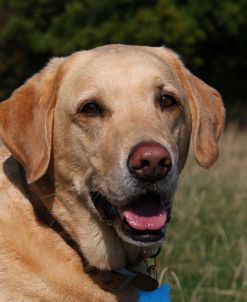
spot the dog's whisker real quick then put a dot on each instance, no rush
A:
(54, 194)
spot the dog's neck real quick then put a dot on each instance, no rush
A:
(51, 211)
(108, 279)
(97, 242)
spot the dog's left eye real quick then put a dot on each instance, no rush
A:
(91, 109)
(167, 100)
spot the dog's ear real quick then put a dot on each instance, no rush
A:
(206, 107)
(26, 120)
(208, 115)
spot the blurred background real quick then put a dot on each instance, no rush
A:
(205, 256)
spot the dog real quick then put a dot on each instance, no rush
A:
(95, 143)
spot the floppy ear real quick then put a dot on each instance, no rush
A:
(208, 115)
(26, 120)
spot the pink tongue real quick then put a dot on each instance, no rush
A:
(145, 216)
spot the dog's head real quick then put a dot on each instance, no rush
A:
(118, 122)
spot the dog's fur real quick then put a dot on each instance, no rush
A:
(66, 154)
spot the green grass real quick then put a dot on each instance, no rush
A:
(204, 258)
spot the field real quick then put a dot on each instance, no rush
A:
(205, 255)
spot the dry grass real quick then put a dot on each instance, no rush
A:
(205, 256)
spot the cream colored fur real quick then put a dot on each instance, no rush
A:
(65, 155)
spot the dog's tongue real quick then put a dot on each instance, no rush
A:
(145, 216)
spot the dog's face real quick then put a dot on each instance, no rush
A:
(123, 113)
(123, 118)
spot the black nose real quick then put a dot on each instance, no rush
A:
(149, 161)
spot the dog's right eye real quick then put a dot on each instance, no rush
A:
(91, 109)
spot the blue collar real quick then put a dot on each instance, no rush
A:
(161, 294)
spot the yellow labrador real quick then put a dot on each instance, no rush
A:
(95, 143)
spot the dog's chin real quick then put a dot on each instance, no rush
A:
(141, 222)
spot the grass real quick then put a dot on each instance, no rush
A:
(205, 255)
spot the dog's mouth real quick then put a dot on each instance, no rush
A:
(142, 220)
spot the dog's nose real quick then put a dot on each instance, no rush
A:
(149, 161)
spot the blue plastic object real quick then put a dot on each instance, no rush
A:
(161, 294)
